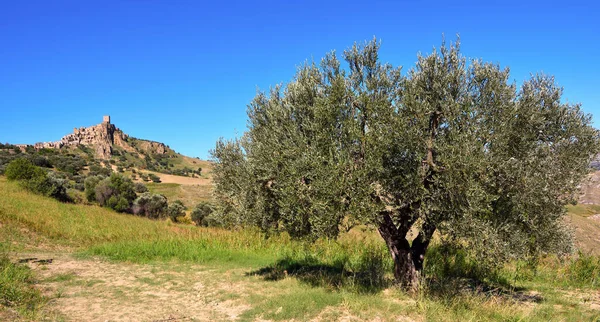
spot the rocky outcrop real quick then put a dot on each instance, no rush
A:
(101, 137)
(153, 147)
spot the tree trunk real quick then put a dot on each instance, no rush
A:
(405, 271)
(408, 260)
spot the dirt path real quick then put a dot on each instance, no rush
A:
(96, 290)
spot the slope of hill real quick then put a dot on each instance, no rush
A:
(103, 148)
(106, 142)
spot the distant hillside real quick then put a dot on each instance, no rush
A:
(106, 145)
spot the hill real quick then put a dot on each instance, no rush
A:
(106, 142)
(104, 148)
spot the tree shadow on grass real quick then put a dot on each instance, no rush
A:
(450, 273)
(366, 277)
(456, 287)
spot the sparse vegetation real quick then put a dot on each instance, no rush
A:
(17, 289)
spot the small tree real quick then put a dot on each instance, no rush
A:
(201, 213)
(154, 178)
(176, 209)
(151, 205)
(449, 147)
(140, 187)
(23, 169)
(89, 185)
(115, 192)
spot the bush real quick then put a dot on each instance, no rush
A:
(176, 209)
(140, 187)
(150, 205)
(40, 161)
(90, 184)
(98, 170)
(115, 192)
(55, 187)
(23, 169)
(201, 214)
(154, 178)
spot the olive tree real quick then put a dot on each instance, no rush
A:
(150, 205)
(451, 146)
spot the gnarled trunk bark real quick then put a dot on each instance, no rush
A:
(408, 260)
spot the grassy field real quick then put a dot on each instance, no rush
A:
(111, 266)
(583, 210)
(190, 195)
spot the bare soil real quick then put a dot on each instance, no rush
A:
(96, 290)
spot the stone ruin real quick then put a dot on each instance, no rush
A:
(101, 137)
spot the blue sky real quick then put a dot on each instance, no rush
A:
(183, 72)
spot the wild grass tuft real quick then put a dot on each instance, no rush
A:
(17, 289)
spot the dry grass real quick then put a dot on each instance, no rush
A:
(159, 270)
(190, 195)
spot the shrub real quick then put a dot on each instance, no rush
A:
(140, 187)
(115, 192)
(40, 161)
(90, 184)
(23, 169)
(150, 205)
(37, 180)
(49, 185)
(55, 187)
(98, 170)
(176, 209)
(201, 213)
(154, 178)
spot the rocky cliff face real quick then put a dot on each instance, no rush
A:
(102, 138)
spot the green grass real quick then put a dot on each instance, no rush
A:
(583, 210)
(287, 279)
(17, 289)
(190, 195)
(169, 190)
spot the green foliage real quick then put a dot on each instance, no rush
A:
(40, 161)
(176, 209)
(151, 205)
(450, 146)
(154, 178)
(140, 187)
(201, 215)
(68, 163)
(51, 185)
(23, 169)
(17, 288)
(96, 170)
(90, 184)
(37, 180)
(115, 192)
(585, 270)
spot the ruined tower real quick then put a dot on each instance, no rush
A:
(106, 119)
